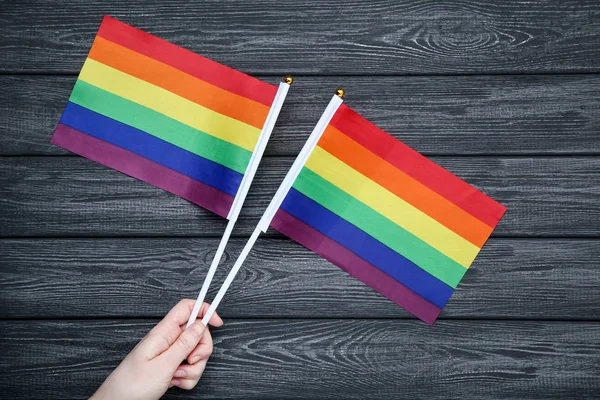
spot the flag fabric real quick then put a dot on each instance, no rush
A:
(387, 215)
(165, 115)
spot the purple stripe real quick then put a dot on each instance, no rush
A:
(143, 169)
(355, 266)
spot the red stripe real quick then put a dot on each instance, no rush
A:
(355, 266)
(418, 166)
(143, 169)
(189, 62)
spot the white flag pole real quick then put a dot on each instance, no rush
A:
(307, 149)
(284, 188)
(230, 277)
(240, 197)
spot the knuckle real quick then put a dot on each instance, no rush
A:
(189, 384)
(197, 329)
(183, 302)
(195, 373)
(184, 342)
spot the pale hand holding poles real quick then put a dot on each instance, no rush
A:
(267, 217)
(242, 192)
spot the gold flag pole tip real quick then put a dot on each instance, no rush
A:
(340, 92)
(288, 79)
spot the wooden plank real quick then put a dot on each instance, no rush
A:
(350, 359)
(448, 115)
(72, 196)
(341, 37)
(109, 278)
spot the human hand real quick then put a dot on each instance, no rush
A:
(155, 364)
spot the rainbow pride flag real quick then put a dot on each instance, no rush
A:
(165, 115)
(387, 215)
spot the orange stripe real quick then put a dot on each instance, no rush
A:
(404, 186)
(179, 83)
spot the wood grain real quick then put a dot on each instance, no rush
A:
(71, 196)
(504, 94)
(113, 278)
(328, 37)
(275, 359)
(449, 115)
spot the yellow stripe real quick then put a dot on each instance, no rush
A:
(169, 104)
(392, 207)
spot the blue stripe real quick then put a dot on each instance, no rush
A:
(367, 248)
(152, 148)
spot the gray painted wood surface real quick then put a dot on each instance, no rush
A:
(437, 115)
(348, 359)
(322, 38)
(66, 196)
(110, 278)
(504, 94)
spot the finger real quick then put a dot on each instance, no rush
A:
(164, 334)
(186, 384)
(185, 343)
(180, 314)
(187, 371)
(215, 320)
(203, 350)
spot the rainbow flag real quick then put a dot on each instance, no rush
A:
(387, 215)
(165, 115)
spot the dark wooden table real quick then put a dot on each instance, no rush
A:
(505, 95)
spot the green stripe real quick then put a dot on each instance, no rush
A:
(379, 227)
(160, 126)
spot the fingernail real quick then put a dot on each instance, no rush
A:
(194, 359)
(175, 382)
(198, 328)
(180, 373)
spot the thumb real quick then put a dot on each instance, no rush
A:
(184, 344)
